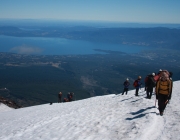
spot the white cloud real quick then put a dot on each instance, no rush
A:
(24, 49)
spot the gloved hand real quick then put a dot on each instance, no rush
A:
(169, 97)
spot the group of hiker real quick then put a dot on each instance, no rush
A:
(162, 82)
(70, 97)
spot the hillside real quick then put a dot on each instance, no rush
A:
(110, 117)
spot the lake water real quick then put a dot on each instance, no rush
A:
(60, 46)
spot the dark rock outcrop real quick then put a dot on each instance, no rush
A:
(9, 103)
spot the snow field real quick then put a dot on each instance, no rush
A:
(109, 117)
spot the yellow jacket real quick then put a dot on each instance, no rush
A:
(164, 87)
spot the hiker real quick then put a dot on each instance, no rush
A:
(70, 96)
(126, 86)
(137, 84)
(145, 81)
(151, 83)
(59, 97)
(163, 90)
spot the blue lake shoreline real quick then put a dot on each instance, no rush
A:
(61, 46)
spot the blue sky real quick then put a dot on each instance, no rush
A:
(141, 11)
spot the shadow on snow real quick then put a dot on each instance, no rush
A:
(140, 112)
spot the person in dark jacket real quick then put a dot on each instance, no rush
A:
(126, 86)
(138, 85)
(150, 85)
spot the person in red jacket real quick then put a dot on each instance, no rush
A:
(137, 84)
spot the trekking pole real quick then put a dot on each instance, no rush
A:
(166, 105)
(166, 101)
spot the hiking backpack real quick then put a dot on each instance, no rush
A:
(165, 74)
(156, 77)
(135, 83)
(164, 87)
(146, 79)
(162, 74)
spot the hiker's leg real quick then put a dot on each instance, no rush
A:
(161, 102)
(123, 91)
(147, 92)
(126, 91)
(137, 90)
(151, 90)
(150, 95)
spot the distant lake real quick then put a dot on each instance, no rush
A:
(60, 46)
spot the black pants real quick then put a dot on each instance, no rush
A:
(137, 90)
(145, 88)
(149, 92)
(162, 102)
(125, 90)
(59, 100)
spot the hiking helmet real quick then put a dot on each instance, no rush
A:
(160, 69)
(153, 74)
(139, 77)
(127, 79)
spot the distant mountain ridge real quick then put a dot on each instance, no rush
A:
(8, 28)
(154, 37)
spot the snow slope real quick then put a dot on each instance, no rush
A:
(110, 117)
(3, 108)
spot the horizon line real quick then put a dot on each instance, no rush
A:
(92, 21)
